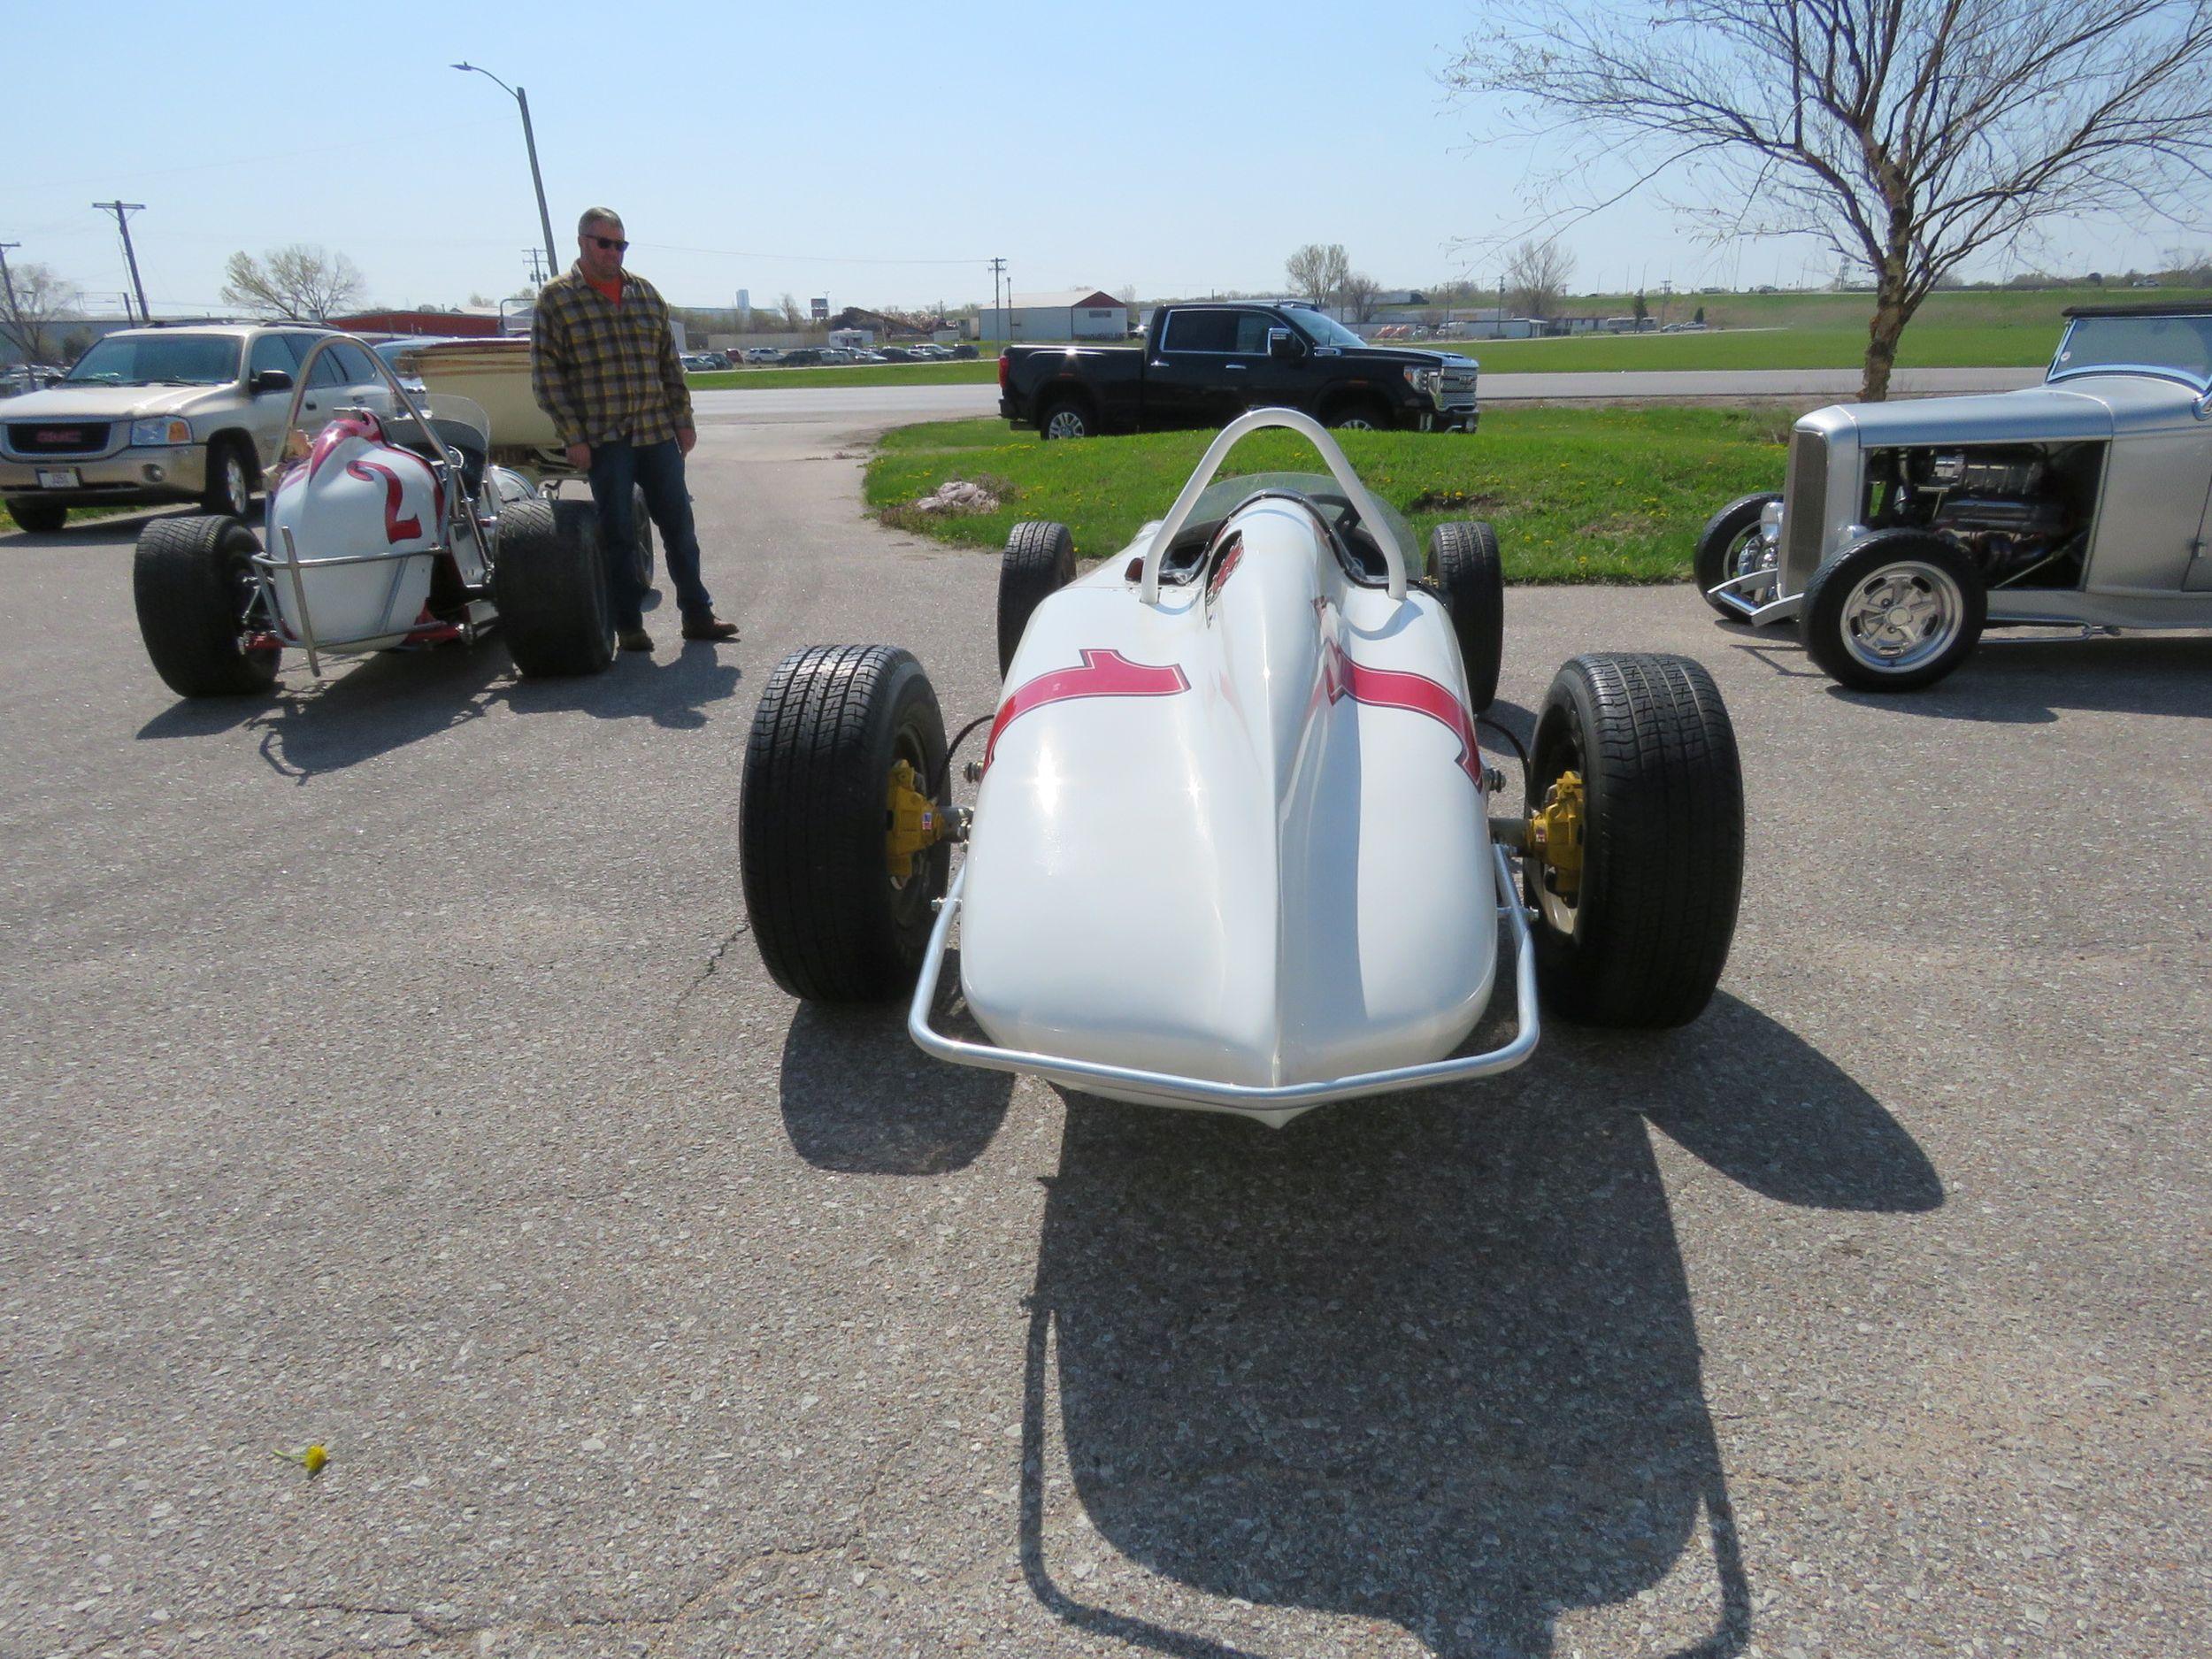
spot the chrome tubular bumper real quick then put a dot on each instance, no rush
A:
(1237, 1096)
(1783, 608)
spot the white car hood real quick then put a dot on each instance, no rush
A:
(1239, 835)
(107, 402)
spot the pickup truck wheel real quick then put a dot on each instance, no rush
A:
(1360, 418)
(192, 580)
(1895, 611)
(551, 586)
(831, 921)
(40, 518)
(1066, 419)
(1463, 555)
(641, 535)
(229, 492)
(1038, 561)
(1721, 546)
(1635, 779)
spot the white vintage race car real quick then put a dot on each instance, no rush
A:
(1232, 846)
(386, 530)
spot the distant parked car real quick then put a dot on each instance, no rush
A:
(963, 351)
(894, 354)
(802, 357)
(764, 354)
(862, 354)
(836, 354)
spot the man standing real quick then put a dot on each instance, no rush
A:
(603, 365)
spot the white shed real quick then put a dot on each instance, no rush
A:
(1077, 314)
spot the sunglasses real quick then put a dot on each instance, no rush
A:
(615, 243)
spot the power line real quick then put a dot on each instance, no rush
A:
(812, 258)
(122, 211)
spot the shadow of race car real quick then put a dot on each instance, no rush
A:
(1232, 846)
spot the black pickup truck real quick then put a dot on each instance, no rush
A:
(1203, 366)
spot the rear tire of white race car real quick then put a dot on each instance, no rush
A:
(192, 579)
(831, 923)
(1642, 942)
(1464, 558)
(552, 589)
(1038, 561)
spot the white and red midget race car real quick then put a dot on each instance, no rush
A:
(389, 529)
(1234, 845)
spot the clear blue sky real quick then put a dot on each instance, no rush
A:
(878, 154)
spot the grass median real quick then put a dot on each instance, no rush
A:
(1576, 495)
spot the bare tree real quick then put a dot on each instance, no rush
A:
(32, 302)
(1318, 271)
(1536, 275)
(1909, 135)
(795, 315)
(299, 283)
(1361, 296)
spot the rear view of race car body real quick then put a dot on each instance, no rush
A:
(1232, 846)
(383, 532)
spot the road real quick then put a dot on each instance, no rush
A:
(388, 1068)
(835, 405)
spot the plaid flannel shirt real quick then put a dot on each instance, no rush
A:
(604, 371)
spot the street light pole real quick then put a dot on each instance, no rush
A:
(530, 139)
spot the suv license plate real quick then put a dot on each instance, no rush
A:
(58, 478)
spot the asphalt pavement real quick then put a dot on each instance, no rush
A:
(388, 1068)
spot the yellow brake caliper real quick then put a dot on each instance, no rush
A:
(912, 824)
(1554, 834)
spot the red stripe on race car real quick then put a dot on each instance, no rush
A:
(396, 528)
(1104, 673)
(1394, 688)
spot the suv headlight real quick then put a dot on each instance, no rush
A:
(1422, 380)
(159, 430)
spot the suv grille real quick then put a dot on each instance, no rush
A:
(1456, 385)
(1805, 500)
(57, 437)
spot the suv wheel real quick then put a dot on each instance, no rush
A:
(229, 493)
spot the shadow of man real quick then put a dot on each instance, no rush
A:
(1429, 1360)
(671, 691)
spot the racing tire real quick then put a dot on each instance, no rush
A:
(1463, 556)
(1849, 623)
(230, 470)
(1721, 543)
(1066, 418)
(552, 589)
(1642, 940)
(642, 539)
(192, 580)
(40, 518)
(1038, 561)
(832, 924)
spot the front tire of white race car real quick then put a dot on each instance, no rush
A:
(192, 580)
(1038, 561)
(833, 924)
(1463, 556)
(1640, 939)
(552, 589)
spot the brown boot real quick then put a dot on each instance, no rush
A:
(634, 639)
(709, 627)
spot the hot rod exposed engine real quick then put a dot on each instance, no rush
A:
(2020, 512)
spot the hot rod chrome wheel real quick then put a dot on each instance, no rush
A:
(1732, 545)
(1898, 608)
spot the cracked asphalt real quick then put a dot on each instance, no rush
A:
(386, 1067)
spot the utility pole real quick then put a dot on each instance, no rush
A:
(8, 282)
(537, 277)
(122, 211)
(530, 141)
(998, 266)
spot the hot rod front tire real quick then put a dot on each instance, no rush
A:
(192, 579)
(552, 589)
(1896, 610)
(1038, 561)
(1641, 938)
(1463, 556)
(832, 923)
(1721, 544)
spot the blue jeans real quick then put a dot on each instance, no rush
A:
(620, 468)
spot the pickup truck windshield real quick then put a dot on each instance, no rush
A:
(1323, 331)
(158, 360)
(2178, 346)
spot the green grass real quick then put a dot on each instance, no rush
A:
(977, 371)
(1576, 495)
(1935, 345)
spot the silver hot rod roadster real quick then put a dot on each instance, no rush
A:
(1905, 529)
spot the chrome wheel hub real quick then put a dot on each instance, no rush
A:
(1903, 616)
(1064, 424)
